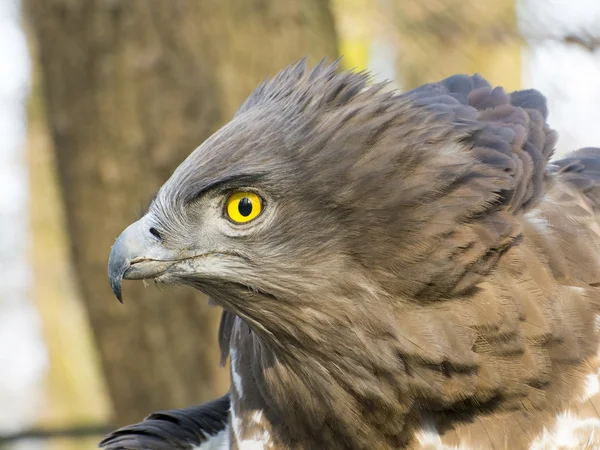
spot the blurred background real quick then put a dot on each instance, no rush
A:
(101, 99)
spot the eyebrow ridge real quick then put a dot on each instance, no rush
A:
(193, 191)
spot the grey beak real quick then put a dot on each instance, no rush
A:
(137, 255)
(117, 266)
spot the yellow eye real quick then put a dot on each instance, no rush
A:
(242, 207)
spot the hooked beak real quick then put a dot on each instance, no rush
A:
(137, 255)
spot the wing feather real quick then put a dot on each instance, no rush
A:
(177, 429)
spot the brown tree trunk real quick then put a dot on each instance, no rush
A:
(132, 87)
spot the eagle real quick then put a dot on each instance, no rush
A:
(396, 270)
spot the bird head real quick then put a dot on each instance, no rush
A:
(321, 194)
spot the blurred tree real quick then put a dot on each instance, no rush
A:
(75, 394)
(438, 38)
(355, 23)
(131, 88)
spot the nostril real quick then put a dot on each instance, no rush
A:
(154, 232)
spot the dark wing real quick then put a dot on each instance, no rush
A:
(177, 429)
(581, 169)
(513, 141)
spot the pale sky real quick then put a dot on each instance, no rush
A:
(23, 355)
(568, 75)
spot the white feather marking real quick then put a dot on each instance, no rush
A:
(219, 441)
(429, 438)
(257, 417)
(262, 439)
(569, 432)
(592, 385)
(538, 221)
(260, 442)
(236, 424)
(235, 376)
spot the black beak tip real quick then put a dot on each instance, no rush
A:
(115, 284)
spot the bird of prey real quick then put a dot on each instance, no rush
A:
(396, 270)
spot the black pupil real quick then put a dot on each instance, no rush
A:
(245, 206)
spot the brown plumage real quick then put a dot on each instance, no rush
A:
(417, 264)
